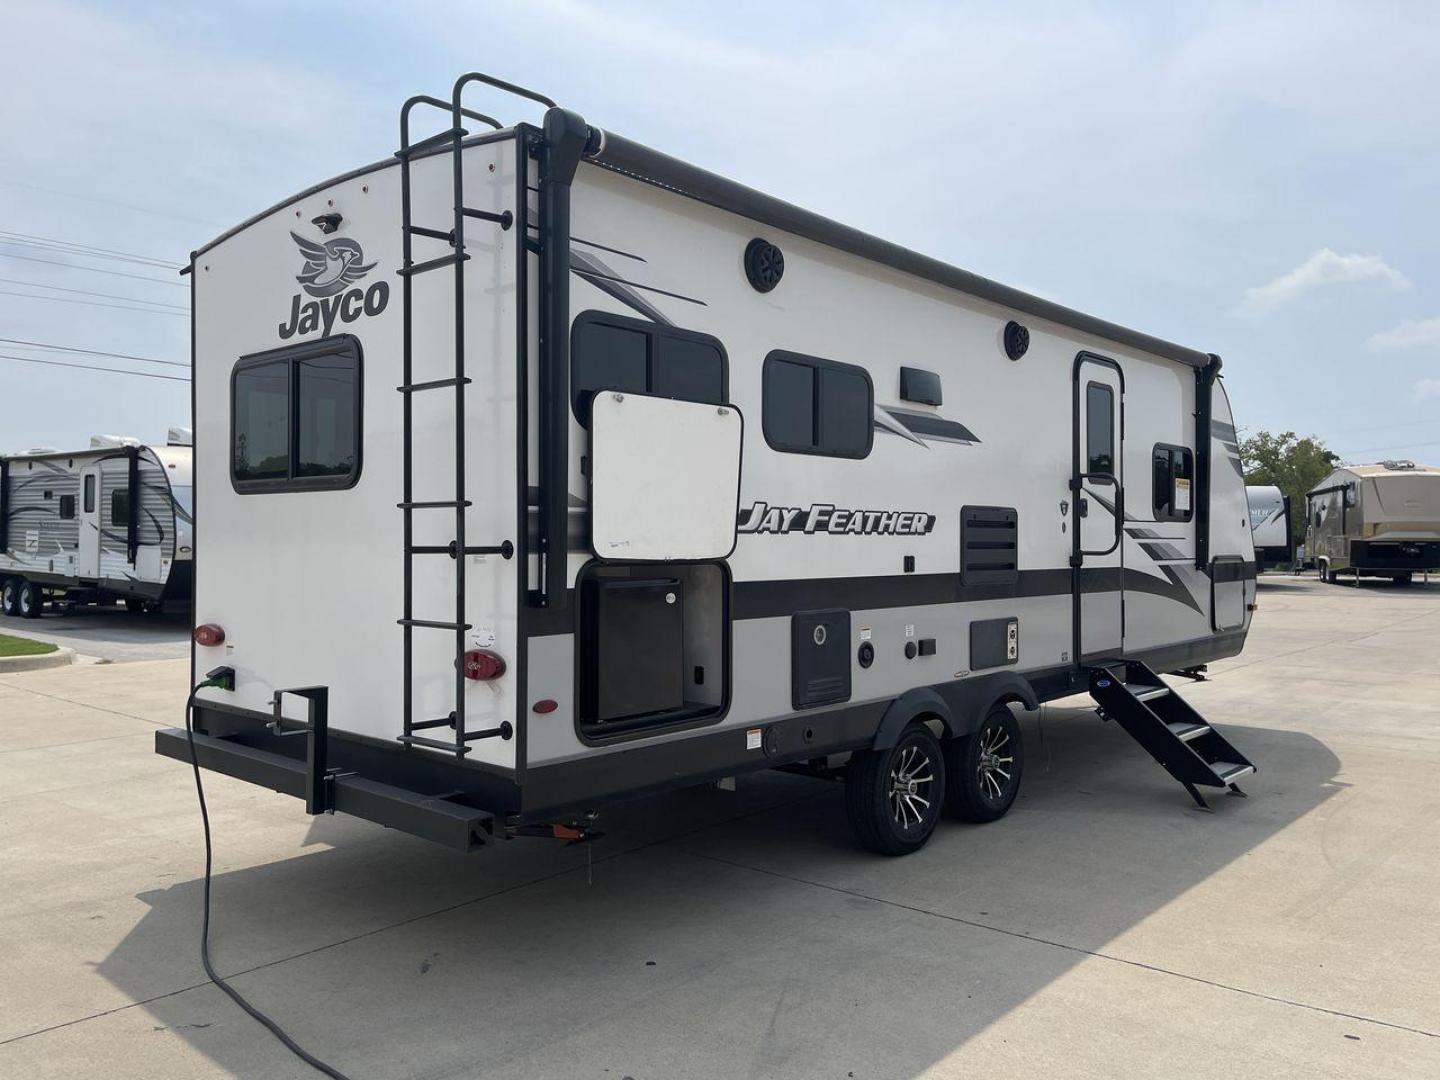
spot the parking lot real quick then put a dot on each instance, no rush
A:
(1104, 928)
(107, 633)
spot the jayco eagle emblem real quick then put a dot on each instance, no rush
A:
(329, 271)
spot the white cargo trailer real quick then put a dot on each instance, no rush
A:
(539, 469)
(110, 522)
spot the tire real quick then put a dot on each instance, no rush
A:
(1403, 579)
(1324, 571)
(10, 596)
(32, 598)
(134, 605)
(893, 797)
(983, 770)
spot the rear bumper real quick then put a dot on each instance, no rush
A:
(1395, 554)
(430, 817)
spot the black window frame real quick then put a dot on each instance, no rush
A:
(347, 345)
(89, 486)
(116, 495)
(1171, 449)
(656, 333)
(67, 507)
(820, 364)
(1112, 420)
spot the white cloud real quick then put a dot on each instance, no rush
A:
(1323, 268)
(1426, 389)
(1410, 334)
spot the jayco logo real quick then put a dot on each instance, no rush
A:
(330, 268)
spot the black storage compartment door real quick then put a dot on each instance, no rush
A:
(819, 657)
(636, 631)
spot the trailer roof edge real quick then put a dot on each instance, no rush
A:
(629, 158)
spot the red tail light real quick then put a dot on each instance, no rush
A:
(484, 664)
(209, 635)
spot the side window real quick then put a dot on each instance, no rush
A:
(120, 506)
(295, 418)
(1099, 429)
(615, 352)
(1173, 473)
(90, 493)
(67, 507)
(815, 406)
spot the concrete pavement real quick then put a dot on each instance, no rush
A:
(1103, 928)
(108, 633)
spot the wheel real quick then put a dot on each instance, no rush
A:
(1403, 579)
(10, 596)
(984, 769)
(893, 796)
(1323, 568)
(31, 599)
(134, 605)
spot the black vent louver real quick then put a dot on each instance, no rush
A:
(989, 545)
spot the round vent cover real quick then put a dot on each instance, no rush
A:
(764, 264)
(1017, 340)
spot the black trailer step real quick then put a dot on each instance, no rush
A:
(1230, 771)
(435, 504)
(1185, 730)
(1167, 727)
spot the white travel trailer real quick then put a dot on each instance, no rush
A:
(680, 481)
(108, 523)
(1270, 526)
(1375, 521)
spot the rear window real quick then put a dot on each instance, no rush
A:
(295, 418)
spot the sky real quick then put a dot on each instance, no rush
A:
(1257, 180)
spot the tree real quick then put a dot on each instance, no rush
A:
(1292, 464)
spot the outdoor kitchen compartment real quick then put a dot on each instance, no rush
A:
(635, 642)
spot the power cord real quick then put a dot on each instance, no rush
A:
(225, 678)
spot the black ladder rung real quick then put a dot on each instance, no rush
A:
(435, 504)
(434, 744)
(426, 143)
(505, 549)
(448, 235)
(504, 731)
(433, 624)
(444, 721)
(433, 384)
(505, 218)
(431, 264)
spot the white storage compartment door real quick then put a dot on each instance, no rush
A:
(664, 478)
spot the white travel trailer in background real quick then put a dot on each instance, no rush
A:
(1270, 526)
(680, 481)
(1375, 521)
(112, 522)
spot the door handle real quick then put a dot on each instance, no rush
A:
(1082, 509)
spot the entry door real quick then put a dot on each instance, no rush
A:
(87, 561)
(1099, 495)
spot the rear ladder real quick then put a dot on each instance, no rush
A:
(454, 261)
(1169, 729)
